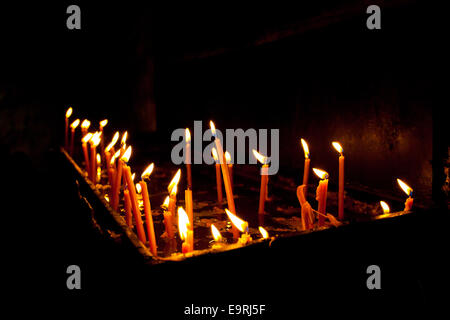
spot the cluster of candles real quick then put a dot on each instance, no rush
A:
(120, 179)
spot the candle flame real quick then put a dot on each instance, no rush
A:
(124, 138)
(227, 157)
(113, 141)
(213, 128)
(86, 124)
(106, 197)
(320, 173)
(188, 135)
(148, 171)
(87, 137)
(138, 187)
(96, 138)
(407, 189)
(264, 232)
(103, 123)
(165, 204)
(259, 157)
(99, 159)
(214, 154)
(337, 146)
(69, 112)
(126, 156)
(236, 221)
(175, 180)
(305, 148)
(114, 157)
(216, 233)
(174, 191)
(183, 223)
(384, 206)
(133, 176)
(75, 124)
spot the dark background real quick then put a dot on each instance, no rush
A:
(312, 70)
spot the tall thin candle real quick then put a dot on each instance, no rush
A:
(66, 132)
(339, 149)
(306, 167)
(321, 194)
(73, 126)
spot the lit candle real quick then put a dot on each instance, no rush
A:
(218, 177)
(306, 167)
(128, 213)
(148, 210)
(263, 232)
(85, 126)
(167, 218)
(189, 206)
(118, 182)
(409, 191)
(218, 240)
(264, 180)
(109, 147)
(95, 141)
(99, 167)
(102, 124)
(241, 225)
(173, 200)
(226, 176)
(84, 142)
(230, 167)
(112, 174)
(185, 231)
(73, 126)
(321, 194)
(385, 207)
(339, 149)
(188, 159)
(66, 132)
(306, 213)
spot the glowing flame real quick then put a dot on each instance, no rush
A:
(259, 157)
(96, 138)
(75, 124)
(87, 137)
(165, 204)
(216, 233)
(86, 124)
(337, 146)
(99, 159)
(264, 232)
(133, 176)
(305, 148)
(183, 223)
(69, 112)
(320, 173)
(138, 188)
(188, 135)
(103, 123)
(407, 189)
(124, 138)
(126, 156)
(237, 222)
(114, 157)
(214, 154)
(113, 141)
(227, 157)
(174, 181)
(174, 190)
(384, 206)
(213, 128)
(106, 197)
(148, 171)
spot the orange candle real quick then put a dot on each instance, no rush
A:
(168, 218)
(321, 194)
(188, 159)
(230, 167)
(148, 218)
(306, 167)
(226, 176)
(134, 203)
(339, 149)
(109, 150)
(66, 132)
(102, 124)
(73, 126)
(218, 178)
(409, 191)
(264, 180)
(189, 206)
(173, 200)
(128, 214)
(185, 231)
(95, 141)
(118, 182)
(241, 225)
(306, 213)
(84, 142)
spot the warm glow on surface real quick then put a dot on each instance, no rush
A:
(216, 233)
(259, 157)
(337, 146)
(148, 171)
(227, 157)
(69, 112)
(87, 137)
(86, 124)
(213, 127)
(385, 207)
(75, 124)
(183, 223)
(103, 123)
(138, 188)
(214, 154)
(320, 173)
(305, 148)
(126, 156)
(188, 135)
(237, 222)
(113, 141)
(407, 189)
(264, 232)
(124, 138)
(175, 180)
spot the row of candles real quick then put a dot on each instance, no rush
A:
(120, 177)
